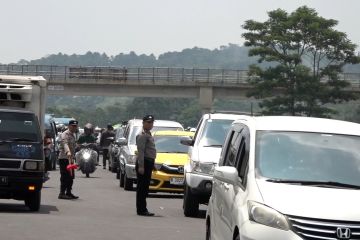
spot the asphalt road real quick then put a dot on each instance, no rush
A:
(103, 211)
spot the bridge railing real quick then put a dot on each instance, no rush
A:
(151, 76)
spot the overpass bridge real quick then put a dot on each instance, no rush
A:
(204, 84)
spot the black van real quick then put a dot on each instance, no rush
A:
(21, 157)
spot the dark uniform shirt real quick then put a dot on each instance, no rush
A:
(86, 139)
(104, 141)
(145, 146)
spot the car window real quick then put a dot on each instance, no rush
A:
(170, 144)
(19, 125)
(308, 156)
(243, 154)
(233, 149)
(214, 133)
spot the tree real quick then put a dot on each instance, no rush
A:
(306, 55)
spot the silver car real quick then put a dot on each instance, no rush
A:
(127, 160)
(288, 178)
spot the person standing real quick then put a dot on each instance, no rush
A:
(66, 157)
(105, 142)
(146, 154)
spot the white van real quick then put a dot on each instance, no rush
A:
(287, 178)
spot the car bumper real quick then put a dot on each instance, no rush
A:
(251, 231)
(199, 184)
(130, 171)
(18, 184)
(163, 182)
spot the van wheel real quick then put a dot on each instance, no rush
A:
(237, 237)
(190, 204)
(128, 183)
(33, 201)
(87, 174)
(121, 177)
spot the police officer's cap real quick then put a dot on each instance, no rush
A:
(73, 122)
(148, 118)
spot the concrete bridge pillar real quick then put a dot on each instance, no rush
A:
(206, 99)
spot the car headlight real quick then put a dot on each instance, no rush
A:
(132, 159)
(267, 216)
(205, 168)
(34, 166)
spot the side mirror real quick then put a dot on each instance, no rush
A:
(227, 174)
(121, 141)
(187, 141)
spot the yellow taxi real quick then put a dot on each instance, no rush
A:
(168, 175)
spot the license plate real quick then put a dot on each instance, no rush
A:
(177, 181)
(3, 180)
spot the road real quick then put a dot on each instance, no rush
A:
(104, 211)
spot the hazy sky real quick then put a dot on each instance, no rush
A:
(31, 29)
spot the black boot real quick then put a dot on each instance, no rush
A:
(72, 196)
(64, 196)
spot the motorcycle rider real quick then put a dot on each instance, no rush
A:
(88, 137)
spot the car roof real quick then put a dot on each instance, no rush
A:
(222, 116)
(173, 133)
(157, 123)
(302, 124)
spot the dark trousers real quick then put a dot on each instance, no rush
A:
(143, 183)
(105, 155)
(66, 179)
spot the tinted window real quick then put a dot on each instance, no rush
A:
(133, 133)
(19, 125)
(308, 156)
(233, 149)
(170, 144)
(214, 133)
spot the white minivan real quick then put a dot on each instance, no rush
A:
(287, 178)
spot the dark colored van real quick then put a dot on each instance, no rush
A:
(21, 157)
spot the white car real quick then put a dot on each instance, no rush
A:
(287, 178)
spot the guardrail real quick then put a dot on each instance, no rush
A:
(144, 75)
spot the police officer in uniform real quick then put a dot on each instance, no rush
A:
(66, 157)
(146, 154)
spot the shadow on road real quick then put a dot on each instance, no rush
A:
(21, 208)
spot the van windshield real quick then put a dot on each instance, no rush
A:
(304, 156)
(19, 126)
(214, 133)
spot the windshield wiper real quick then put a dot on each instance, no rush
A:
(20, 140)
(315, 183)
(213, 145)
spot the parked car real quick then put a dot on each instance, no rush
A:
(127, 158)
(287, 178)
(204, 154)
(171, 157)
(114, 151)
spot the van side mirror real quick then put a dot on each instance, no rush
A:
(121, 141)
(227, 174)
(187, 141)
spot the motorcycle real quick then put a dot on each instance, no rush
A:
(86, 158)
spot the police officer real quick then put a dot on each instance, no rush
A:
(66, 157)
(146, 154)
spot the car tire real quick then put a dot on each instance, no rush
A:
(190, 204)
(118, 174)
(237, 236)
(33, 201)
(113, 169)
(121, 179)
(87, 175)
(128, 183)
(208, 230)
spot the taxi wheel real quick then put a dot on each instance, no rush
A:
(208, 230)
(191, 203)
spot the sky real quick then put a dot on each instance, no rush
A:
(31, 29)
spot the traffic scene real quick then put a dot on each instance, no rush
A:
(268, 150)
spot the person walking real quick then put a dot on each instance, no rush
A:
(66, 157)
(146, 154)
(105, 142)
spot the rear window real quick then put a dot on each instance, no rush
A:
(19, 126)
